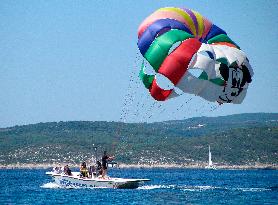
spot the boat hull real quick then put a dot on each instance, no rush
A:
(77, 182)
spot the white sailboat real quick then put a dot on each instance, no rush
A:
(210, 165)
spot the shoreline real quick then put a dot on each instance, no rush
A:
(147, 166)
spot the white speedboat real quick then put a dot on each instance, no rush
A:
(75, 181)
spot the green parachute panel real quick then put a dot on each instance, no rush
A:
(159, 49)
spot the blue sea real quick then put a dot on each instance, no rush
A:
(167, 186)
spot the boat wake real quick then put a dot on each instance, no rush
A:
(241, 189)
(252, 189)
(50, 185)
(185, 188)
(200, 188)
(148, 187)
(203, 188)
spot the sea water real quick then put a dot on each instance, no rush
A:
(167, 186)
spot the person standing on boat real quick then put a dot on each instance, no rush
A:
(83, 170)
(99, 169)
(105, 159)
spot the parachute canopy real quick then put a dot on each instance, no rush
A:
(178, 42)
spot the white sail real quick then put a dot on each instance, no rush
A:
(210, 162)
(210, 165)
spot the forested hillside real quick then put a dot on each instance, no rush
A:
(234, 140)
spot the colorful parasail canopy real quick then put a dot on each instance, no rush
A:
(178, 42)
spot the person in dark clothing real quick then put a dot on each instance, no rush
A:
(99, 169)
(105, 159)
(67, 170)
(92, 171)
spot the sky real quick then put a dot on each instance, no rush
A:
(78, 60)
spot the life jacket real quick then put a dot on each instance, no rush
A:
(84, 172)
